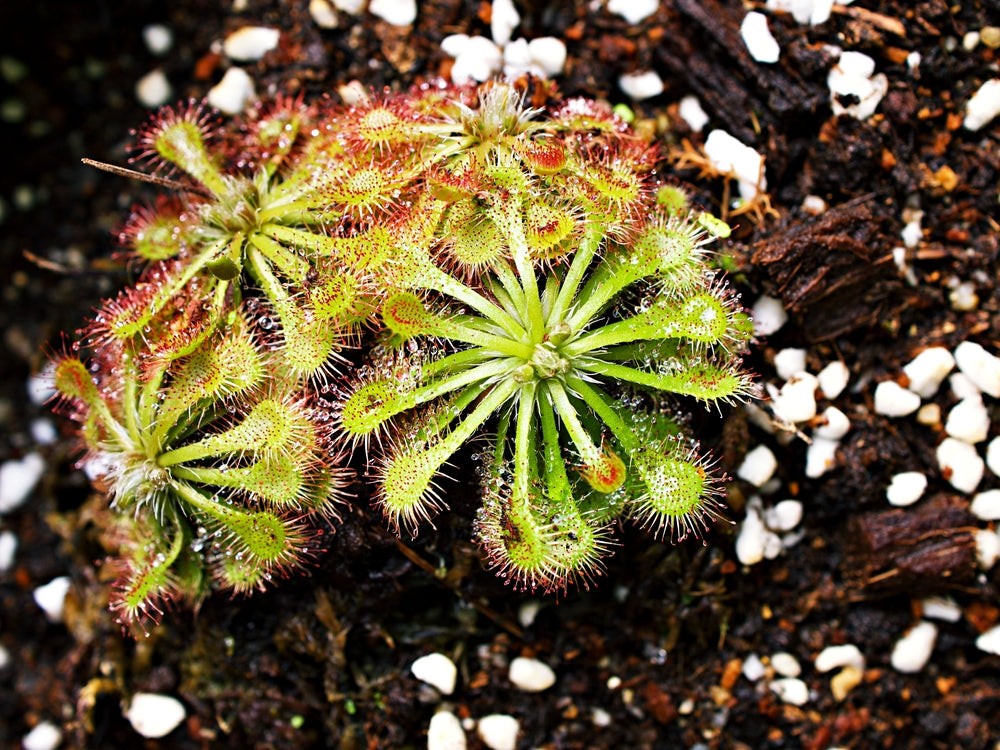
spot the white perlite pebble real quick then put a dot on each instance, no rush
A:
(753, 668)
(233, 92)
(821, 456)
(499, 731)
(349, 6)
(892, 400)
(4, 657)
(963, 297)
(832, 657)
(929, 414)
(43, 432)
(979, 366)
(791, 690)
(17, 479)
(600, 717)
(796, 401)
(990, 641)
(153, 89)
(51, 597)
(784, 516)
(44, 736)
(250, 43)
(8, 549)
(531, 675)
(543, 57)
(504, 18)
(834, 426)
(158, 38)
(476, 58)
(983, 106)
(41, 386)
(692, 113)
(993, 455)
(941, 608)
(445, 732)
(986, 505)
(785, 664)
(960, 464)
(768, 315)
(758, 466)
(962, 387)
(912, 234)
(154, 715)
(755, 541)
(833, 379)
(323, 14)
(760, 43)
(790, 362)
(528, 611)
(928, 370)
(396, 12)
(987, 548)
(436, 669)
(968, 420)
(641, 85)
(906, 488)
(633, 11)
(730, 156)
(912, 652)
(854, 78)
(812, 12)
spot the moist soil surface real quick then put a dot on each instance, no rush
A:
(656, 653)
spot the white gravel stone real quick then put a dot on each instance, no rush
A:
(753, 668)
(833, 657)
(979, 366)
(153, 89)
(445, 732)
(641, 85)
(834, 426)
(761, 44)
(960, 463)
(893, 400)
(323, 14)
(942, 608)
(436, 669)
(796, 401)
(968, 420)
(928, 370)
(633, 11)
(986, 505)
(155, 715)
(784, 516)
(768, 315)
(251, 43)
(531, 675)
(791, 690)
(993, 455)
(906, 488)
(854, 76)
(983, 106)
(44, 736)
(158, 38)
(233, 92)
(758, 466)
(990, 641)
(692, 113)
(499, 731)
(51, 597)
(833, 379)
(785, 664)
(790, 362)
(504, 18)
(477, 58)
(730, 156)
(396, 12)
(8, 550)
(987, 548)
(17, 479)
(821, 456)
(912, 652)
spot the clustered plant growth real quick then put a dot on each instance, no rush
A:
(512, 272)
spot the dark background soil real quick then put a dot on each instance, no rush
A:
(673, 624)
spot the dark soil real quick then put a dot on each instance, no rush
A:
(323, 660)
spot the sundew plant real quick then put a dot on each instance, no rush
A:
(397, 279)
